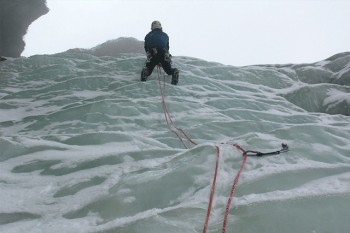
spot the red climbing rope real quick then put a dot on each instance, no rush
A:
(167, 115)
(171, 124)
(212, 190)
(245, 156)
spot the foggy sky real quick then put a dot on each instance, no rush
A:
(232, 32)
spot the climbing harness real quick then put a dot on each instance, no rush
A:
(178, 131)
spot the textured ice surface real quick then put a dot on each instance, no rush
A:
(85, 146)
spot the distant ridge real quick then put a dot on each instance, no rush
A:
(114, 47)
(338, 55)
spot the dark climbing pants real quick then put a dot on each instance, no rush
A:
(162, 57)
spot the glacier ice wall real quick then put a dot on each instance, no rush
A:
(85, 147)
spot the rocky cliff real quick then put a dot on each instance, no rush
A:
(15, 18)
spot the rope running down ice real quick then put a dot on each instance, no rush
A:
(171, 124)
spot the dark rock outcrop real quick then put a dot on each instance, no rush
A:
(15, 18)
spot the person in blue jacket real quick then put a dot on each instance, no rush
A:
(157, 50)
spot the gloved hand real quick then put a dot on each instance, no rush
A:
(167, 57)
(149, 56)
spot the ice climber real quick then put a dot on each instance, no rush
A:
(157, 50)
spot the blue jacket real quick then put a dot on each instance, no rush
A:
(156, 39)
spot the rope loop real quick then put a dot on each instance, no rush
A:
(178, 131)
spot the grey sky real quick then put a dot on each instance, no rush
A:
(232, 32)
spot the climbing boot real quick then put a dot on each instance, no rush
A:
(175, 77)
(144, 74)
